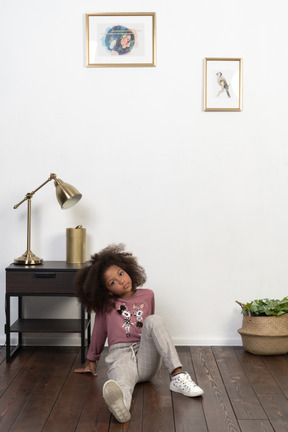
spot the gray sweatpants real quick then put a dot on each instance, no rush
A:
(131, 363)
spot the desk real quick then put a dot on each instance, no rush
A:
(50, 279)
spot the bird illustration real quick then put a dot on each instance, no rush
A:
(223, 84)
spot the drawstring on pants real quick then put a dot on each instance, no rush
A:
(133, 355)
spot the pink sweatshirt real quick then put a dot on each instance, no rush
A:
(122, 324)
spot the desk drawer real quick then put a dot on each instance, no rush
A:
(40, 282)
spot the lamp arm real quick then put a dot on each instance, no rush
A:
(30, 195)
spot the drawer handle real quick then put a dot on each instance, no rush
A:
(45, 275)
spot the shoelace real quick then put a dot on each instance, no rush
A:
(182, 377)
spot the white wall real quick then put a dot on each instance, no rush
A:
(200, 197)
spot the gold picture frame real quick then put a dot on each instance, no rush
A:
(223, 84)
(121, 39)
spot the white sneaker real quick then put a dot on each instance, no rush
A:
(113, 396)
(182, 383)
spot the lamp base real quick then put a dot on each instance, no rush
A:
(28, 258)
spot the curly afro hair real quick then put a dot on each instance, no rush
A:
(89, 284)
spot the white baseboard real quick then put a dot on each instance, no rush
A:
(208, 342)
(74, 340)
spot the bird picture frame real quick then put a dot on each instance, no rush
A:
(222, 84)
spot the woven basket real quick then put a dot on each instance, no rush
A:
(265, 335)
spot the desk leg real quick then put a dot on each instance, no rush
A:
(7, 328)
(10, 353)
(89, 329)
(20, 315)
(83, 335)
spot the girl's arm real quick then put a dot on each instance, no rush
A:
(153, 303)
(98, 339)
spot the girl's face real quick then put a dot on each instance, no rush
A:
(118, 282)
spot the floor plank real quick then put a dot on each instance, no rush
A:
(216, 404)
(68, 407)
(157, 404)
(257, 372)
(188, 411)
(8, 371)
(255, 426)
(245, 403)
(276, 407)
(16, 401)
(278, 367)
(48, 370)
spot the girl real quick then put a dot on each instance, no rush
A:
(137, 338)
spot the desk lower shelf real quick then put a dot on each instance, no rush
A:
(48, 326)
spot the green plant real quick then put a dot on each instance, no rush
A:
(265, 307)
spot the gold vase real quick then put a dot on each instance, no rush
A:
(76, 245)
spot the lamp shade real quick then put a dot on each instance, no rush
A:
(66, 194)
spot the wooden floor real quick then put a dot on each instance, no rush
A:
(243, 393)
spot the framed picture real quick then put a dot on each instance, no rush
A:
(223, 84)
(120, 39)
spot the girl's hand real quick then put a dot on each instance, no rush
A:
(90, 368)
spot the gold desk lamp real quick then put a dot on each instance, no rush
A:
(67, 197)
